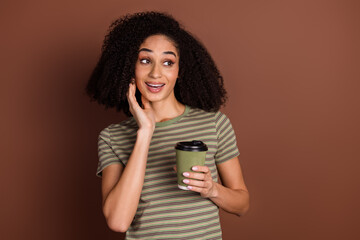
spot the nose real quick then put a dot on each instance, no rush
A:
(155, 71)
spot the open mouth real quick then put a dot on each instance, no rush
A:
(154, 87)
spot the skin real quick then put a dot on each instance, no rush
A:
(158, 63)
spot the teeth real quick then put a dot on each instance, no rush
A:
(155, 85)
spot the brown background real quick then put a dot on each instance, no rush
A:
(292, 71)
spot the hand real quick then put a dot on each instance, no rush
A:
(145, 117)
(201, 181)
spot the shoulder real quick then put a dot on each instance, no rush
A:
(221, 118)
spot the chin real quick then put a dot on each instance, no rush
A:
(154, 99)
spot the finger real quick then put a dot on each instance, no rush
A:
(128, 97)
(198, 176)
(195, 183)
(132, 89)
(203, 169)
(129, 92)
(131, 95)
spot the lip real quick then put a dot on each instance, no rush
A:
(154, 87)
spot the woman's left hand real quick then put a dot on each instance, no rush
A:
(201, 181)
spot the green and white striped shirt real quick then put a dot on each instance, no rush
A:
(164, 210)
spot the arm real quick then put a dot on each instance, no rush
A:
(232, 196)
(121, 186)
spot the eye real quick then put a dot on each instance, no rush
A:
(168, 63)
(144, 61)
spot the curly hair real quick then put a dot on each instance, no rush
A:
(199, 83)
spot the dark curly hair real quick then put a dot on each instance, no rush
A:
(199, 84)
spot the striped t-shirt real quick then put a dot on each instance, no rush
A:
(164, 210)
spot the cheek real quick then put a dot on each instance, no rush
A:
(173, 75)
(139, 70)
(140, 87)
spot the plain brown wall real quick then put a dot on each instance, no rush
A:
(291, 69)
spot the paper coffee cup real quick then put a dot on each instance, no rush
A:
(189, 154)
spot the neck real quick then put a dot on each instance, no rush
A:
(167, 110)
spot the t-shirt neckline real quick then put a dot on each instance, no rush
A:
(171, 121)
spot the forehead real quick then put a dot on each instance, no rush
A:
(159, 43)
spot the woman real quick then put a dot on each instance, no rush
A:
(168, 85)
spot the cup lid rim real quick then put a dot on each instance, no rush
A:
(193, 146)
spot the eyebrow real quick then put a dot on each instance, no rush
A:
(148, 50)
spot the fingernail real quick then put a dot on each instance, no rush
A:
(189, 187)
(194, 168)
(186, 181)
(186, 174)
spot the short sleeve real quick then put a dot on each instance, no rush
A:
(106, 153)
(226, 147)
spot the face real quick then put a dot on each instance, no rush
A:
(157, 69)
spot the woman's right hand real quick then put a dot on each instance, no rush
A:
(122, 185)
(145, 117)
